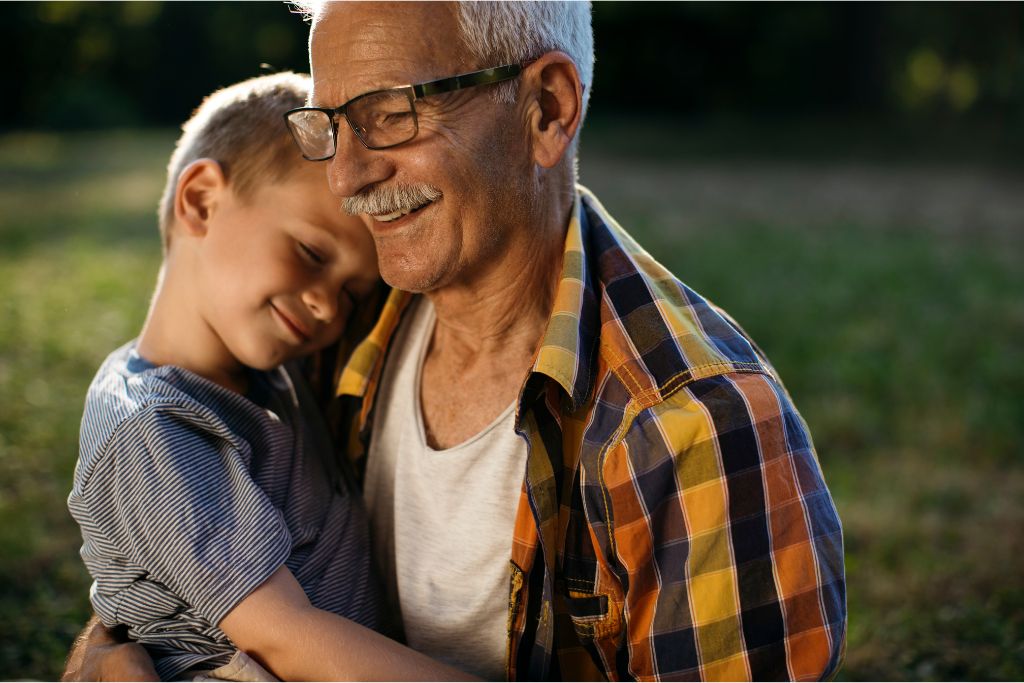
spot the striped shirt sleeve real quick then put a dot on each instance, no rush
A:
(173, 491)
(728, 538)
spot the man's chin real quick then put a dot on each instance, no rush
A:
(410, 275)
(418, 256)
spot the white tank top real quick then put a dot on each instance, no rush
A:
(442, 520)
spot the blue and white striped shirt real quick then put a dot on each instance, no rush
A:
(190, 495)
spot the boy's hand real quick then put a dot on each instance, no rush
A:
(99, 654)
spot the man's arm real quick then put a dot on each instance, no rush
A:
(739, 572)
(100, 654)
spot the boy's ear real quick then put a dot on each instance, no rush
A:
(556, 107)
(201, 186)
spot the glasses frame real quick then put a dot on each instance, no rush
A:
(414, 92)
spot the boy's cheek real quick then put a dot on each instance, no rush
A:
(330, 334)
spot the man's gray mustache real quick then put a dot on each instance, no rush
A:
(384, 199)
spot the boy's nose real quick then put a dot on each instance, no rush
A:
(320, 303)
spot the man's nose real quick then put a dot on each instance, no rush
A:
(353, 166)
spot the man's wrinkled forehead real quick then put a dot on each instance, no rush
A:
(357, 47)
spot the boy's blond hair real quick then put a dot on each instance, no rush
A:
(241, 127)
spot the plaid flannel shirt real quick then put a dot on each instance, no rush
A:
(674, 522)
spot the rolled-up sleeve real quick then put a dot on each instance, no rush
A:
(175, 494)
(727, 539)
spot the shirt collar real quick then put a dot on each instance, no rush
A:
(613, 299)
(567, 349)
(615, 305)
(361, 374)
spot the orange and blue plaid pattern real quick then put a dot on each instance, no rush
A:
(674, 522)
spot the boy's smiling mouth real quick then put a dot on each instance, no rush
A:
(293, 326)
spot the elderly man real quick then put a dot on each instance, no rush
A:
(673, 521)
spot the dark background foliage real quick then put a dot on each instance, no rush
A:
(98, 65)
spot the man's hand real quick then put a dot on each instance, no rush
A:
(100, 654)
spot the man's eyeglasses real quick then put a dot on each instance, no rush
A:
(382, 118)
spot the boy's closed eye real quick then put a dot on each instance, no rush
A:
(312, 254)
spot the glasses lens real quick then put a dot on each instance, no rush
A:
(382, 119)
(313, 133)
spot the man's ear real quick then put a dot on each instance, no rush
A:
(555, 107)
(201, 186)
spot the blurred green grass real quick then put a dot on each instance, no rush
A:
(899, 336)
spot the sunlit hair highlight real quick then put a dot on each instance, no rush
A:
(513, 32)
(499, 33)
(242, 128)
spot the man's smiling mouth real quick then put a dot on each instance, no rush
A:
(395, 215)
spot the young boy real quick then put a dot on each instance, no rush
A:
(214, 518)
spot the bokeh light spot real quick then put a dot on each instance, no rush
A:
(60, 12)
(962, 88)
(140, 13)
(926, 71)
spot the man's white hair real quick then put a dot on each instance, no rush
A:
(511, 32)
(500, 33)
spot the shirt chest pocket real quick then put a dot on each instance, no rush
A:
(594, 615)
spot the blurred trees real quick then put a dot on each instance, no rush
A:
(86, 65)
(811, 57)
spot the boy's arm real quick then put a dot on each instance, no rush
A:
(277, 626)
(99, 654)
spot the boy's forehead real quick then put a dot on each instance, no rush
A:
(304, 193)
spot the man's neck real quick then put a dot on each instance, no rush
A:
(488, 328)
(504, 307)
